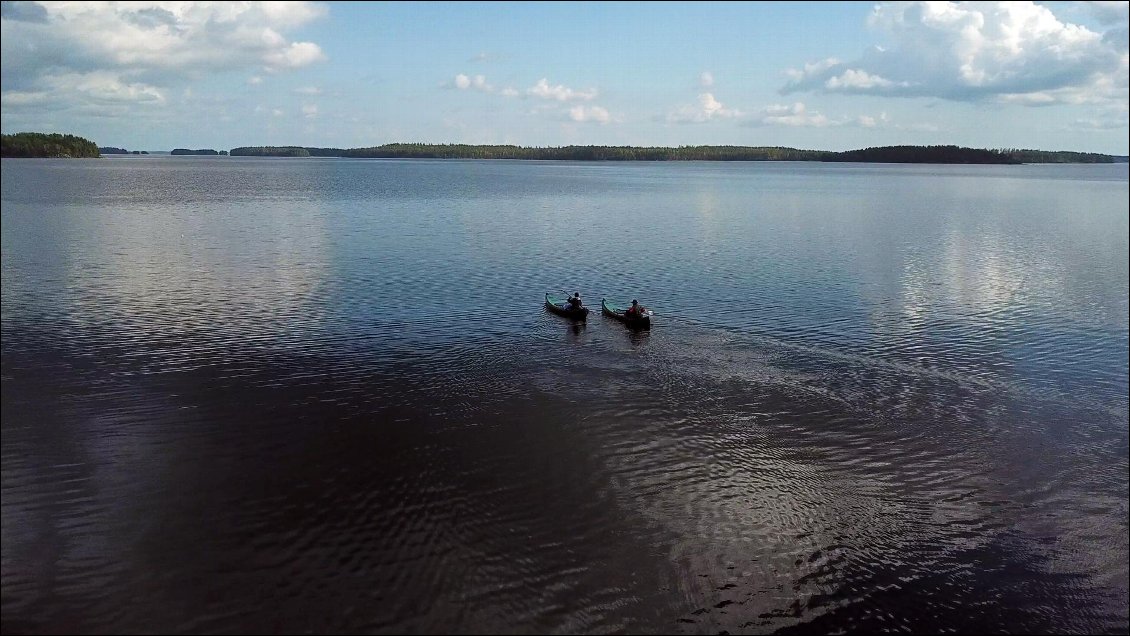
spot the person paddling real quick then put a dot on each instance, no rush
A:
(574, 302)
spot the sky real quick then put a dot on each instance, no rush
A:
(810, 75)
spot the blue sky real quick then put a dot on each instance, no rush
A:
(829, 76)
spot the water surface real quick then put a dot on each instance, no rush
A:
(263, 395)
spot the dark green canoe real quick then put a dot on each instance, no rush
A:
(640, 321)
(559, 307)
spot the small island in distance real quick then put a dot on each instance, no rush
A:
(54, 145)
(205, 152)
(110, 150)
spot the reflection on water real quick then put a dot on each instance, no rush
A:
(259, 280)
(256, 395)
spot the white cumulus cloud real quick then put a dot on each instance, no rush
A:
(477, 82)
(799, 115)
(295, 55)
(854, 79)
(868, 121)
(138, 51)
(796, 114)
(560, 93)
(971, 51)
(581, 113)
(106, 89)
(708, 109)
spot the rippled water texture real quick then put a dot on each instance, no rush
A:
(247, 396)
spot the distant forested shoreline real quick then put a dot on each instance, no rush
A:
(57, 145)
(885, 154)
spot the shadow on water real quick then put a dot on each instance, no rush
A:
(286, 492)
(578, 327)
(285, 496)
(638, 337)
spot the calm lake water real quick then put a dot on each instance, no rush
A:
(269, 395)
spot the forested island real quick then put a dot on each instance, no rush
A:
(204, 152)
(110, 150)
(46, 145)
(886, 154)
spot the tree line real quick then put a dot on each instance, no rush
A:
(884, 154)
(46, 145)
(203, 152)
(565, 153)
(923, 154)
(111, 150)
(57, 145)
(1060, 156)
